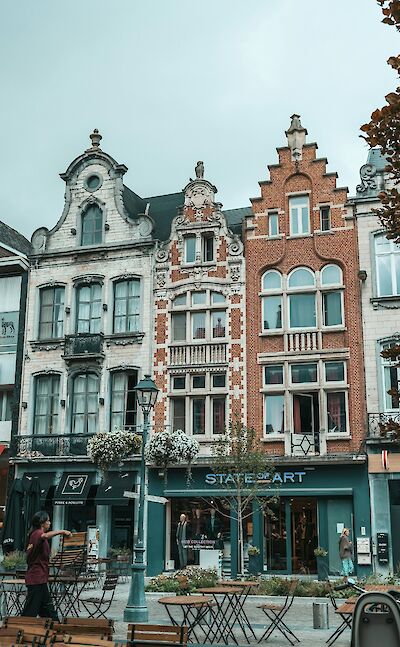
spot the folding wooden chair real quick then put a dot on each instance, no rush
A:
(276, 612)
(159, 633)
(346, 615)
(101, 605)
(21, 621)
(89, 626)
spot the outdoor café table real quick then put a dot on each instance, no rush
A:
(67, 590)
(194, 610)
(227, 599)
(245, 586)
(11, 592)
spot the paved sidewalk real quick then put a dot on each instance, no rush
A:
(299, 619)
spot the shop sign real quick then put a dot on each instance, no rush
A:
(75, 485)
(8, 328)
(277, 478)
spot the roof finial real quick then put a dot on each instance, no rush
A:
(199, 170)
(96, 138)
(296, 136)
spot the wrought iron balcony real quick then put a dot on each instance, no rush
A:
(40, 445)
(304, 444)
(83, 345)
(197, 354)
(375, 420)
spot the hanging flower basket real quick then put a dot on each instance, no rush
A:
(166, 448)
(106, 448)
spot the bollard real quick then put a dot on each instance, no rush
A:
(320, 615)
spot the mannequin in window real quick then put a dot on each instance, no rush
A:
(213, 529)
(197, 524)
(182, 534)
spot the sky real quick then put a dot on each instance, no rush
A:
(170, 82)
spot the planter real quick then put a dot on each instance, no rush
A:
(254, 566)
(322, 568)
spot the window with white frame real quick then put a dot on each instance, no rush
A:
(390, 379)
(46, 404)
(51, 315)
(198, 403)
(290, 302)
(325, 217)
(273, 224)
(85, 403)
(299, 210)
(199, 248)
(387, 259)
(126, 306)
(123, 400)
(198, 316)
(315, 394)
(92, 226)
(5, 404)
(89, 307)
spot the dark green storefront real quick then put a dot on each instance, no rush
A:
(314, 504)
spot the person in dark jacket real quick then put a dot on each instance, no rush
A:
(38, 600)
(346, 554)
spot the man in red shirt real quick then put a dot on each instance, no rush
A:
(38, 601)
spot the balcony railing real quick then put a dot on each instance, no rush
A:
(302, 341)
(38, 445)
(377, 419)
(83, 345)
(197, 354)
(304, 444)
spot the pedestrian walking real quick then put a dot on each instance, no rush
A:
(346, 554)
(38, 600)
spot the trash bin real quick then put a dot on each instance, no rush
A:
(320, 615)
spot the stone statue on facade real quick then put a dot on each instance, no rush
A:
(199, 170)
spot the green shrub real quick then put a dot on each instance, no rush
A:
(191, 578)
(15, 559)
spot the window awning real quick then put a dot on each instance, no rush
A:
(112, 492)
(73, 488)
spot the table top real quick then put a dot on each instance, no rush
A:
(224, 590)
(186, 600)
(241, 583)
(13, 581)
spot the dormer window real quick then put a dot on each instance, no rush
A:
(200, 249)
(299, 208)
(208, 248)
(92, 226)
(190, 249)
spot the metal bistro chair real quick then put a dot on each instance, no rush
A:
(101, 605)
(276, 612)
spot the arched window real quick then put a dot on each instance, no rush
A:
(332, 299)
(85, 403)
(302, 302)
(47, 404)
(271, 285)
(92, 226)
(387, 259)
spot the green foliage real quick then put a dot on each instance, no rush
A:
(188, 580)
(320, 552)
(15, 559)
(253, 550)
(123, 553)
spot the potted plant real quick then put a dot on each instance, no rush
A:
(13, 561)
(254, 566)
(321, 555)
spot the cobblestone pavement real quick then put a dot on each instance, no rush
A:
(299, 619)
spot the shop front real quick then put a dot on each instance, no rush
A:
(78, 499)
(311, 507)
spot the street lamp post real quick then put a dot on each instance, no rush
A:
(136, 608)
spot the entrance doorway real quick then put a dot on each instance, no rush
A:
(304, 522)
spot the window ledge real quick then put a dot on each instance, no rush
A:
(386, 298)
(334, 328)
(296, 236)
(189, 266)
(330, 232)
(276, 237)
(337, 436)
(125, 335)
(273, 438)
(271, 333)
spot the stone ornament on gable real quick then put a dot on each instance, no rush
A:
(162, 255)
(145, 226)
(368, 179)
(39, 239)
(199, 170)
(161, 279)
(199, 194)
(235, 248)
(235, 273)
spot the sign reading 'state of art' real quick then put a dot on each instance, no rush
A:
(8, 329)
(276, 478)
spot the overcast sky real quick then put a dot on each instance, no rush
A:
(169, 82)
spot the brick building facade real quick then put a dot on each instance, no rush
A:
(305, 388)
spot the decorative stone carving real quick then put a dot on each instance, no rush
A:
(199, 194)
(235, 248)
(162, 255)
(145, 226)
(197, 274)
(368, 179)
(181, 220)
(235, 273)
(89, 278)
(39, 239)
(161, 279)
